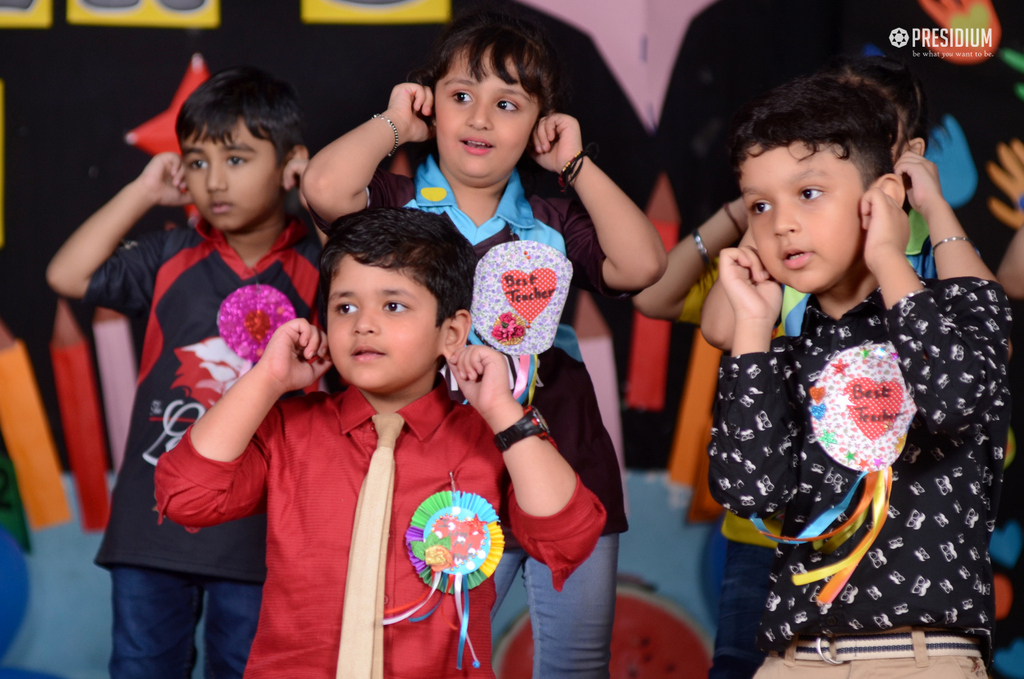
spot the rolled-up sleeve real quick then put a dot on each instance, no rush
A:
(563, 540)
(194, 491)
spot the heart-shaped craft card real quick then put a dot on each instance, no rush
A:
(861, 409)
(518, 294)
(249, 316)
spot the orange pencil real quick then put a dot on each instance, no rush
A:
(79, 401)
(27, 436)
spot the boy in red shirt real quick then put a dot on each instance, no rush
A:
(395, 286)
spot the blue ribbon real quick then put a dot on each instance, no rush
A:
(820, 524)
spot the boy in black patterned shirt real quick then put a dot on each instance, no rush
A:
(815, 170)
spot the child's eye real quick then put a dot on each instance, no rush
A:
(395, 306)
(461, 97)
(507, 106)
(760, 207)
(344, 309)
(810, 194)
(196, 164)
(235, 160)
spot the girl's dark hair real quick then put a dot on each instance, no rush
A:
(824, 112)
(268, 107)
(896, 82)
(491, 41)
(422, 245)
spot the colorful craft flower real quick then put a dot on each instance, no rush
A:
(249, 316)
(509, 329)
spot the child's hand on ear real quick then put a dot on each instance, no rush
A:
(756, 298)
(482, 374)
(887, 226)
(296, 356)
(924, 191)
(293, 169)
(163, 179)
(408, 108)
(556, 139)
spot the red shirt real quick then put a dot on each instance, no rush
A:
(304, 468)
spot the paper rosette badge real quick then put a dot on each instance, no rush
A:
(455, 543)
(861, 409)
(249, 316)
(518, 294)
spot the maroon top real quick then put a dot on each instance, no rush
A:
(304, 468)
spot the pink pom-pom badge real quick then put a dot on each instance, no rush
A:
(861, 409)
(518, 294)
(249, 316)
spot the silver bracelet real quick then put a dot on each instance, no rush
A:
(393, 129)
(701, 250)
(951, 238)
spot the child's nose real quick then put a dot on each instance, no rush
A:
(216, 178)
(480, 116)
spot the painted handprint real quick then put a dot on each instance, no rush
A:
(948, 149)
(1010, 178)
(975, 18)
(1014, 60)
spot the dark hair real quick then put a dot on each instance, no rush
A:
(422, 245)
(822, 111)
(896, 82)
(490, 41)
(268, 107)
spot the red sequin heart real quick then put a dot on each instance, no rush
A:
(529, 294)
(873, 405)
(257, 323)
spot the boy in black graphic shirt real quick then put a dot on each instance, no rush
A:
(815, 170)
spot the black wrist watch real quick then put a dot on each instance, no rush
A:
(531, 424)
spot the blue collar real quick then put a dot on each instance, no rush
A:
(434, 192)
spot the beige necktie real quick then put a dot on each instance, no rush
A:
(361, 653)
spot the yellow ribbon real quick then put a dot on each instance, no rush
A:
(843, 568)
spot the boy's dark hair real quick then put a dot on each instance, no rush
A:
(422, 245)
(490, 40)
(269, 108)
(894, 79)
(823, 112)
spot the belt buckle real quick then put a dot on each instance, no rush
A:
(821, 653)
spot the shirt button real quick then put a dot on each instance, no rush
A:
(831, 621)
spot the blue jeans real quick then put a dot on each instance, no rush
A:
(572, 629)
(155, 616)
(745, 587)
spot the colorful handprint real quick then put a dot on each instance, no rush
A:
(1010, 178)
(1014, 60)
(948, 149)
(965, 15)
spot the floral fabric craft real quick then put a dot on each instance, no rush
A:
(519, 291)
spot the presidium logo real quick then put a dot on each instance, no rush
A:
(957, 43)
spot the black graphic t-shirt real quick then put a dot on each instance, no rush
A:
(178, 279)
(929, 566)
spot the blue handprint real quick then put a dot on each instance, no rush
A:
(948, 149)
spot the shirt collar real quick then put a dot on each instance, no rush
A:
(433, 190)
(294, 231)
(814, 316)
(423, 416)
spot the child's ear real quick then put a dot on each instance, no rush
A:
(891, 185)
(455, 332)
(916, 145)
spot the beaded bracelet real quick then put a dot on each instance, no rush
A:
(393, 129)
(951, 238)
(571, 169)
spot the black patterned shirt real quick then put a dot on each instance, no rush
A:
(929, 566)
